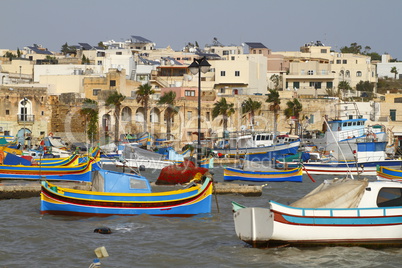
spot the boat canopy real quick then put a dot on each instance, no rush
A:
(336, 193)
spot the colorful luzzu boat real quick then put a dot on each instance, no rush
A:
(384, 173)
(341, 212)
(231, 174)
(125, 194)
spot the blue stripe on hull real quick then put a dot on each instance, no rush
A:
(298, 178)
(269, 156)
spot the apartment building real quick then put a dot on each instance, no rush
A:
(316, 67)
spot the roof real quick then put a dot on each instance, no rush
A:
(140, 39)
(85, 46)
(40, 51)
(255, 45)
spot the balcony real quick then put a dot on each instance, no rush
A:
(25, 118)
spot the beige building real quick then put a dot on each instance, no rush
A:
(316, 68)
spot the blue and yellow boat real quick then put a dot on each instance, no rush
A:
(125, 194)
(295, 174)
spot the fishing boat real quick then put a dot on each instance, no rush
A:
(115, 193)
(338, 212)
(257, 146)
(81, 172)
(231, 174)
(384, 173)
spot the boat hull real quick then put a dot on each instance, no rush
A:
(368, 168)
(284, 225)
(295, 175)
(189, 202)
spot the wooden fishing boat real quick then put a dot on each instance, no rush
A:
(126, 194)
(338, 212)
(384, 173)
(81, 172)
(295, 174)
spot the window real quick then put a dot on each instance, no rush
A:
(95, 92)
(189, 93)
(7, 133)
(389, 197)
(398, 100)
(223, 73)
(189, 114)
(330, 84)
(311, 119)
(392, 114)
(42, 113)
(302, 72)
(259, 51)
(358, 74)
(338, 61)
(7, 112)
(99, 62)
(225, 52)
(296, 85)
(323, 51)
(347, 74)
(237, 73)
(315, 84)
(112, 83)
(323, 72)
(119, 53)
(222, 90)
(232, 58)
(344, 61)
(208, 116)
(310, 72)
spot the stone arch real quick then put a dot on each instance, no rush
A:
(154, 115)
(126, 114)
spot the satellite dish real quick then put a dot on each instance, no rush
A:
(190, 77)
(243, 127)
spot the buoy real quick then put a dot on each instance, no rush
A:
(103, 230)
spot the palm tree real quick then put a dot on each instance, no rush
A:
(273, 98)
(294, 109)
(394, 70)
(250, 106)
(143, 94)
(169, 98)
(344, 85)
(225, 110)
(276, 79)
(115, 99)
(90, 111)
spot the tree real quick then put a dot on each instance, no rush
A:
(273, 98)
(115, 99)
(394, 70)
(85, 60)
(66, 49)
(10, 55)
(169, 98)
(224, 109)
(18, 53)
(344, 85)
(294, 108)
(90, 111)
(365, 86)
(276, 79)
(143, 94)
(251, 107)
(357, 49)
(100, 44)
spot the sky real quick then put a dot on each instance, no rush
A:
(281, 25)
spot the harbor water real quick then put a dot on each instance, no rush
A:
(29, 239)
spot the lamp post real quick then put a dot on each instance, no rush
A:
(24, 116)
(199, 66)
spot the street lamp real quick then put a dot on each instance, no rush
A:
(199, 66)
(24, 115)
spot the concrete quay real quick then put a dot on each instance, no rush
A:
(13, 189)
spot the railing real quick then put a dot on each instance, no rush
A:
(25, 118)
